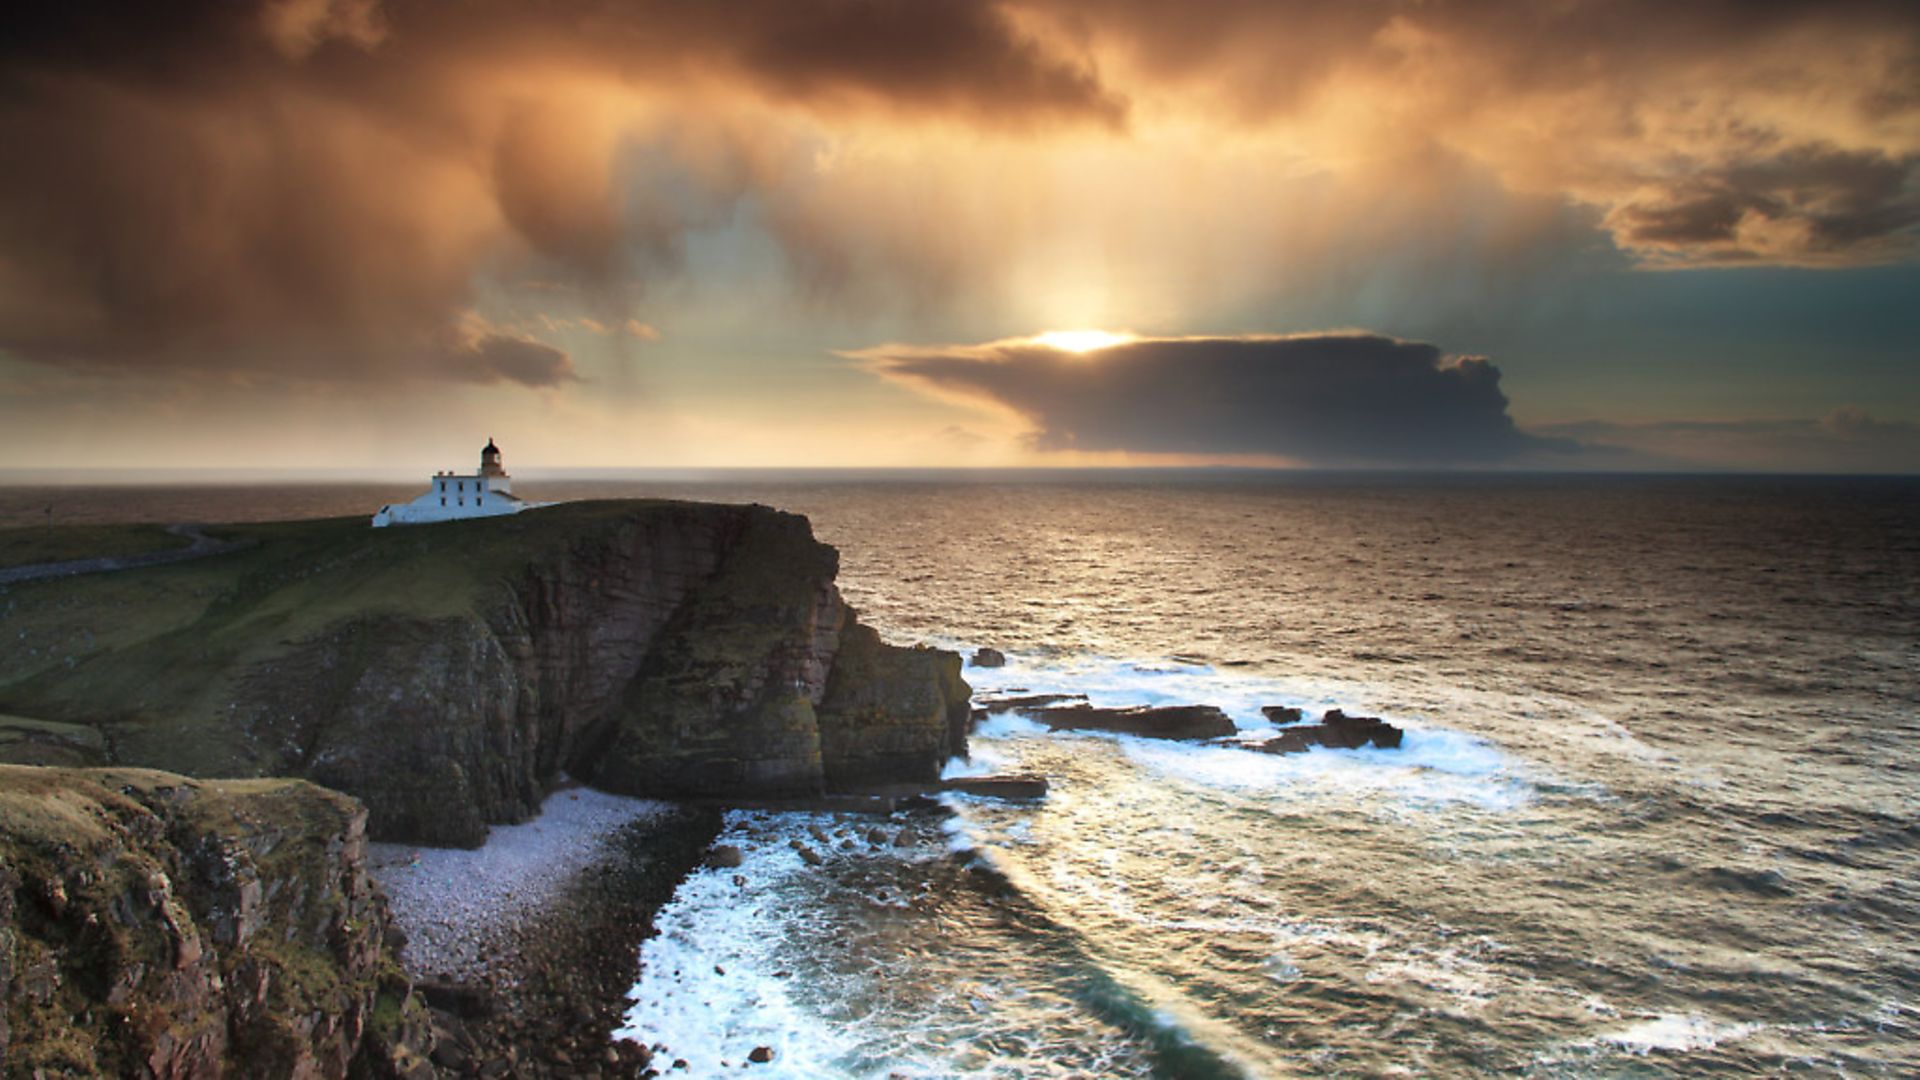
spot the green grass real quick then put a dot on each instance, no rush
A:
(31, 544)
(43, 742)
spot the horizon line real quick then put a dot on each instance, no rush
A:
(106, 475)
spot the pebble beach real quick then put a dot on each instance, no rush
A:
(459, 908)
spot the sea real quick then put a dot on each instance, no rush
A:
(1656, 812)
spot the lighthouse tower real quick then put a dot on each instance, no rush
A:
(490, 464)
(451, 496)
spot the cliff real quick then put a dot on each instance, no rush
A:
(157, 926)
(447, 674)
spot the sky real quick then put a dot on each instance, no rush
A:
(371, 234)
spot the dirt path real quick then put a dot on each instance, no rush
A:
(201, 546)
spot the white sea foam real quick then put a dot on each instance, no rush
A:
(1118, 683)
(714, 977)
(779, 954)
(1433, 765)
(1676, 1033)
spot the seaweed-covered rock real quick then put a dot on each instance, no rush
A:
(152, 925)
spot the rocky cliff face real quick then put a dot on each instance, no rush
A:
(446, 674)
(157, 926)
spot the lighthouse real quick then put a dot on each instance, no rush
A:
(452, 496)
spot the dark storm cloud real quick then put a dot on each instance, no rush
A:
(313, 187)
(1817, 203)
(1325, 399)
(965, 56)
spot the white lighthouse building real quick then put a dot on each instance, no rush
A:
(487, 493)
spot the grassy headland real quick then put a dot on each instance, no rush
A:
(149, 657)
(30, 544)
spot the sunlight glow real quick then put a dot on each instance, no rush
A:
(1079, 341)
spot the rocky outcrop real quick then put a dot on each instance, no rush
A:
(890, 715)
(157, 926)
(448, 674)
(1336, 731)
(1152, 722)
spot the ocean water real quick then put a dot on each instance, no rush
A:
(1656, 811)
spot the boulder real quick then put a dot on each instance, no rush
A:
(989, 658)
(1152, 722)
(1283, 714)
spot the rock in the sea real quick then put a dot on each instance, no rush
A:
(1283, 714)
(1024, 702)
(725, 857)
(1153, 722)
(1336, 730)
(1352, 732)
(761, 1055)
(179, 927)
(1013, 786)
(985, 657)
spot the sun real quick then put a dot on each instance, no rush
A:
(1080, 341)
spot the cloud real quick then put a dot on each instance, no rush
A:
(1845, 440)
(322, 188)
(1329, 399)
(494, 357)
(317, 188)
(1707, 133)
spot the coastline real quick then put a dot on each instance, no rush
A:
(525, 947)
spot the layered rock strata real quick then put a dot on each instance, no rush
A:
(157, 926)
